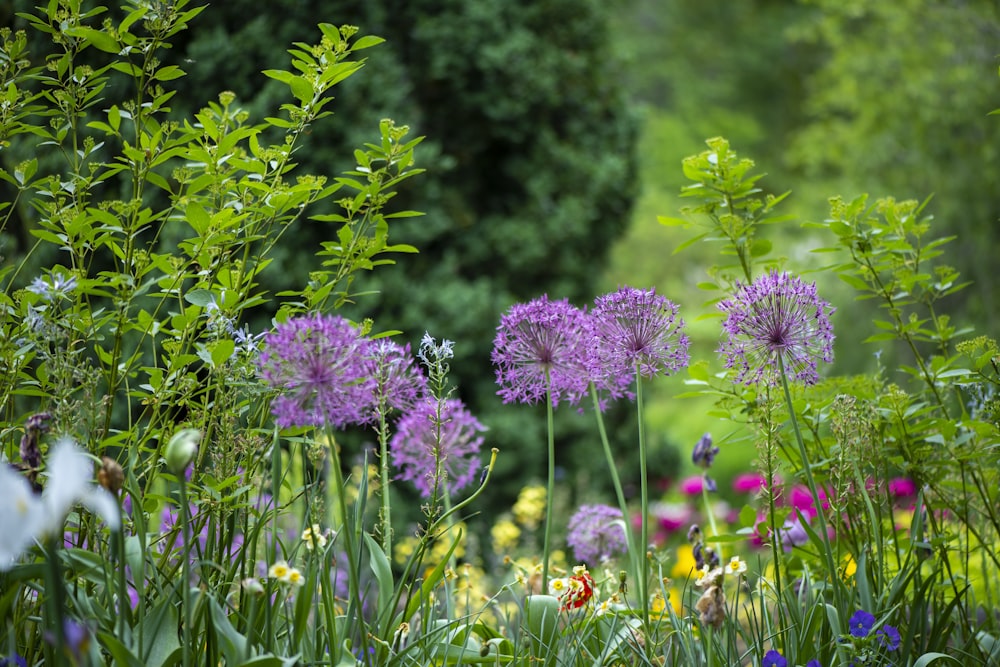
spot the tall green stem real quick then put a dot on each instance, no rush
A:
(810, 481)
(550, 487)
(383, 441)
(613, 469)
(185, 571)
(644, 503)
(345, 528)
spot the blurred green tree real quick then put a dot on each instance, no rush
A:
(531, 169)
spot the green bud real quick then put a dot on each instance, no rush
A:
(181, 449)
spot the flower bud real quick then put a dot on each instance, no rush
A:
(181, 449)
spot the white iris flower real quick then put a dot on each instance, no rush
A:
(26, 517)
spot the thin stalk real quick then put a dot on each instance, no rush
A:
(186, 572)
(616, 481)
(644, 504)
(344, 527)
(811, 482)
(550, 487)
(386, 516)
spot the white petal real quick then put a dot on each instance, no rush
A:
(102, 503)
(20, 516)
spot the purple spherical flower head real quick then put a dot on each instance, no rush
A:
(399, 382)
(776, 319)
(320, 366)
(861, 623)
(540, 346)
(636, 331)
(596, 533)
(773, 659)
(422, 437)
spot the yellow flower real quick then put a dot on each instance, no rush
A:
(850, 566)
(685, 564)
(505, 534)
(530, 506)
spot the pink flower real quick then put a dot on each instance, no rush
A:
(748, 483)
(902, 487)
(692, 486)
(802, 500)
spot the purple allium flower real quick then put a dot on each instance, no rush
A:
(636, 331)
(320, 365)
(540, 346)
(861, 623)
(704, 453)
(773, 659)
(596, 533)
(421, 437)
(889, 636)
(776, 318)
(399, 383)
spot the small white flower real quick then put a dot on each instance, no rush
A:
(313, 537)
(736, 565)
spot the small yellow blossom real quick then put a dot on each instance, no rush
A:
(707, 577)
(530, 506)
(505, 534)
(313, 538)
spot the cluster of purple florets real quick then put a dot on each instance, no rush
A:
(328, 375)
(547, 348)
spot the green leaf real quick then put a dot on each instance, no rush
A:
(928, 658)
(200, 297)
(366, 42)
(96, 38)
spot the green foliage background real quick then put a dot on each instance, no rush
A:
(555, 131)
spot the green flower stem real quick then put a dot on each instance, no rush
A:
(386, 516)
(186, 572)
(644, 504)
(811, 482)
(613, 469)
(345, 528)
(55, 599)
(550, 488)
(711, 517)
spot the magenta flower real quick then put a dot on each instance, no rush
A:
(540, 346)
(778, 319)
(423, 437)
(636, 331)
(748, 483)
(320, 366)
(902, 487)
(399, 382)
(692, 486)
(596, 533)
